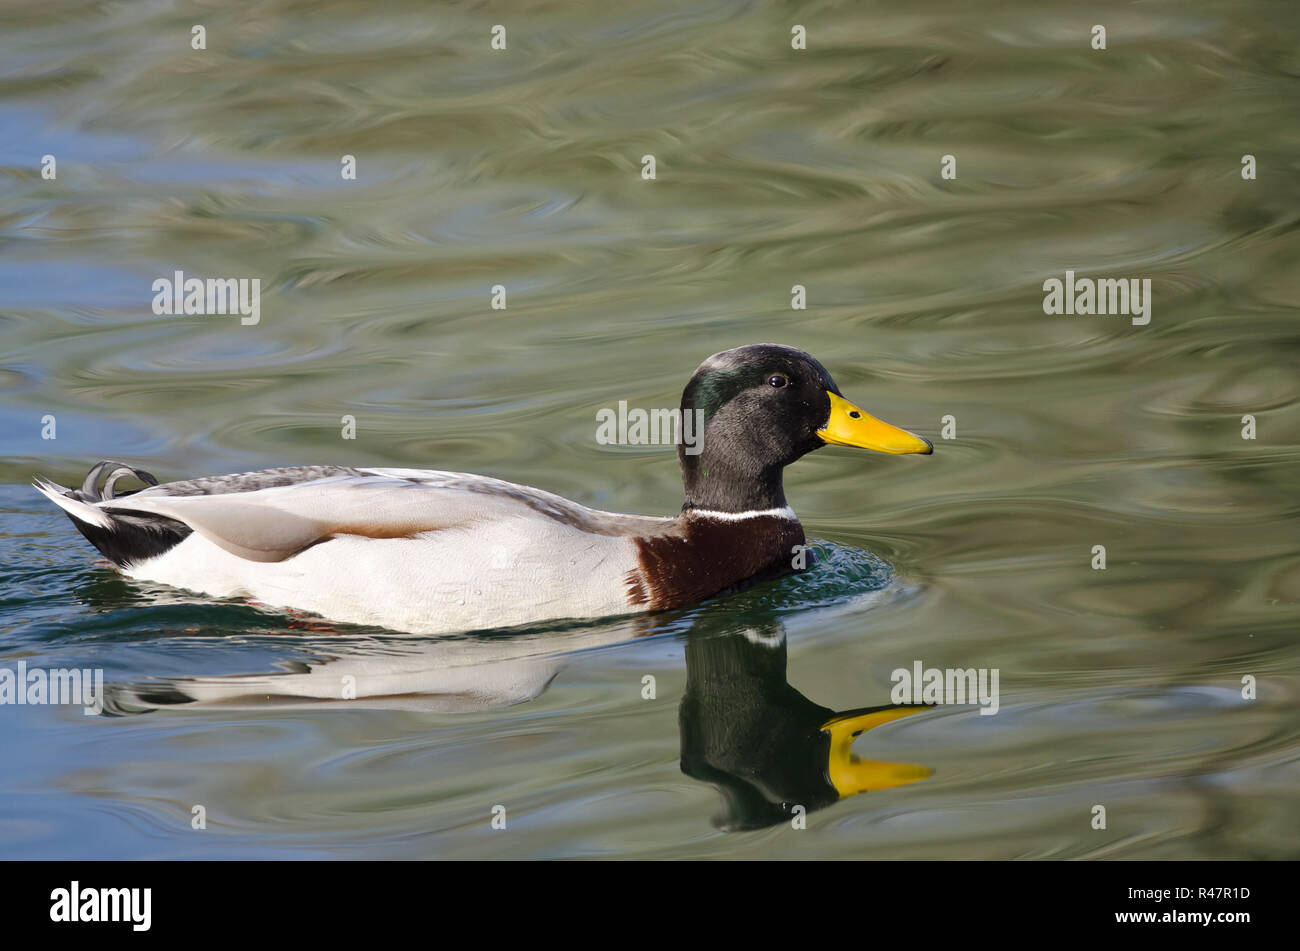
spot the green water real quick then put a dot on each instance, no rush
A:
(1119, 687)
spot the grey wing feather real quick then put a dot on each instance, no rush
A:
(274, 514)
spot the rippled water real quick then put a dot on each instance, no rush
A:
(775, 167)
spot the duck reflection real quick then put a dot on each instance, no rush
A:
(765, 746)
(744, 729)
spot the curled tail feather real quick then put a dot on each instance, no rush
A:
(121, 536)
(90, 491)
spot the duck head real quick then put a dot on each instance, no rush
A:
(763, 406)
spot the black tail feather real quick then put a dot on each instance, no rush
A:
(134, 537)
(131, 536)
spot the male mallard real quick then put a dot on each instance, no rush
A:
(428, 552)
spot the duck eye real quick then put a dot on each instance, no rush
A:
(778, 380)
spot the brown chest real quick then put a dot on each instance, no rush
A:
(708, 556)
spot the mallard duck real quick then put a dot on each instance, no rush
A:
(428, 552)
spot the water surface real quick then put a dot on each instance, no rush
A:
(775, 167)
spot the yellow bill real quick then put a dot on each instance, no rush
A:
(850, 775)
(850, 426)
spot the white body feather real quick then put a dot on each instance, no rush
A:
(464, 552)
(493, 575)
